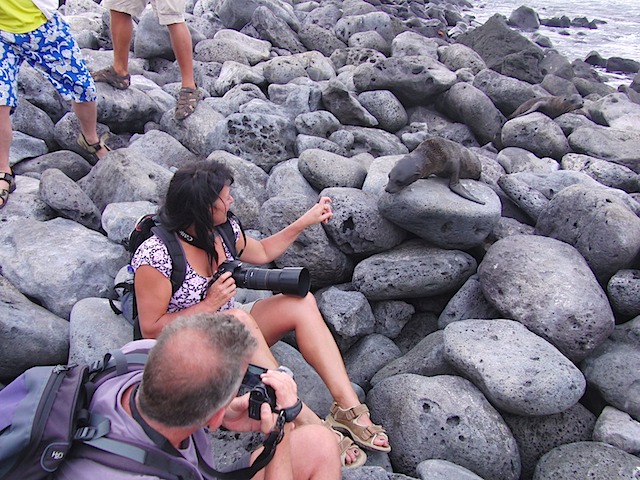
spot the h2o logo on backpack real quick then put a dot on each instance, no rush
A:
(54, 455)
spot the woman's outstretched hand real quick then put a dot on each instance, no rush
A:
(319, 213)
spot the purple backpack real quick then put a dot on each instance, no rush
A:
(45, 410)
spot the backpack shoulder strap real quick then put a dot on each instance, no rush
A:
(176, 252)
(228, 235)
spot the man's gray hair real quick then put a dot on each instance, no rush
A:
(194, 369)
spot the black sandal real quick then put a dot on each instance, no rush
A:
(4, 192)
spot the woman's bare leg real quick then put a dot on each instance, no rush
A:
(280, 314)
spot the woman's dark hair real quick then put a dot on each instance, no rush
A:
(193, 190)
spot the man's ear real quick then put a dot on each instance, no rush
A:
(216, 419)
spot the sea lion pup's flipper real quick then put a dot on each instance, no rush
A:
(456, 187)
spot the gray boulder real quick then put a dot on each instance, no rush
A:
(468, 302)
(285, 179)
(429, 209)
(496, 42)
(618, 429)
(357, 227)
(584, 459)
(253, 49)
(507, 93)
(161, 148)
(24, 147)
(71, 164)
(525, 18)
(537, 133)
(443, 470)
(40, 93)
(623, 290)
(391, 316)
(426, 358)
(614, 372)
(380, 22)
(410, 43)
(123, 176)
(618, 146)
(547, 285)
(96, 330)
(465, 103)
(348, 314)
(30, 120)
(195, 131)
(355, 56)
(374, 141)
(345, 105)
(386, 108)
(615, 110)
(539, 380)
(234, 73)
(276, 30)
(540, 434)
(323, 40)
(413, 79)
(25, 203)
(67, 198)
(607, 173)
(443, 417)
(608, 236)
(29, 334)
(73, 262)
(367, 356)
(265, 140)
(516, 159)
(320, 123)
(413, 269)
(457, 56)
(128, 110)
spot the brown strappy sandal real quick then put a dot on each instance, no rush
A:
(93, 148)
(109, 75)
(187, 102)
(347, 420)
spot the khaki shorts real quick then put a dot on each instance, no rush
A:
(245, 306)
(167, 11)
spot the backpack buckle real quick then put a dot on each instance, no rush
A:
(85, 433)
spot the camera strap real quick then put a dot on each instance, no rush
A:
(207, 471)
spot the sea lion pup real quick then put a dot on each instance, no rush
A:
(436, 156)
(552, 107)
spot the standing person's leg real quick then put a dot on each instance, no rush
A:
(11, 56)
(171, 14)
(7, 182)
(121, 34)
(59, 59)
(183, 49)
(87, 113)
(120, 13)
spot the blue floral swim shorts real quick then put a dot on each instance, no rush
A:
(51, 50)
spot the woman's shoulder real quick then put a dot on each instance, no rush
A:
(152, 252)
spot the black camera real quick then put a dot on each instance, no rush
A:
(292, 280)
(259, 391)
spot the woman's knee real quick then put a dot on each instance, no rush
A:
(244, 317)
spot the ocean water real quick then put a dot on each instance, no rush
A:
(618, 37)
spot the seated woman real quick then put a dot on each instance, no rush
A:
(198, 200)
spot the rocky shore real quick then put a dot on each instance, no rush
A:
(493, 341)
